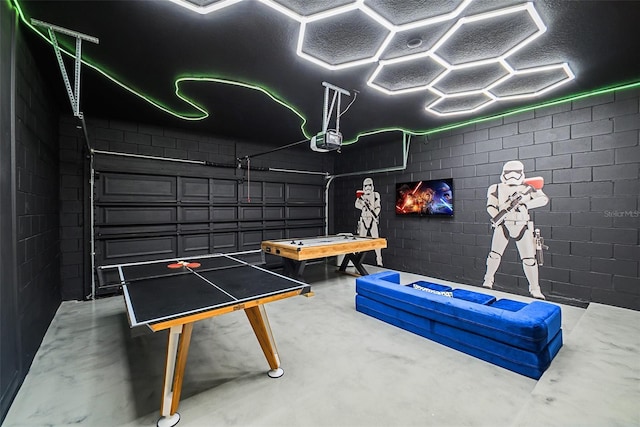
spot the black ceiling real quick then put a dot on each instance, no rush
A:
(146, 47)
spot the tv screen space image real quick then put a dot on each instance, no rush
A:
(425, 198)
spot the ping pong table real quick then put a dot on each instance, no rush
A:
(173, 294)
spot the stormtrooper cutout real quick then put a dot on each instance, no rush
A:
(368, 201)
(508, 204)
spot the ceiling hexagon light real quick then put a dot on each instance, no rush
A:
(503, 32)
(351, 22)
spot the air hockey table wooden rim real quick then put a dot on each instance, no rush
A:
(285, 248)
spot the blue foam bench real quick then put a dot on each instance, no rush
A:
(522, 337)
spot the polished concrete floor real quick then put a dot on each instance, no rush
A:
(342, 368)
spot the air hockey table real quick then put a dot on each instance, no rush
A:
(296, 251)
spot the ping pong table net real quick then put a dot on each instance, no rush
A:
(116, 275)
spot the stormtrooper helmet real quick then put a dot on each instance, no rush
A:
(367, 185)
(512, 173)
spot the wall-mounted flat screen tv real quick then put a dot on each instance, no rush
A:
(425, 198)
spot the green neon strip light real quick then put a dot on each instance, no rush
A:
(239, 84)
(456, 125)
(536, 106)
(202, 113)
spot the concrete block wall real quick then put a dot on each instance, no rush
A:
(588, 153)
(150, 140)
(36, 192)
(74, 241)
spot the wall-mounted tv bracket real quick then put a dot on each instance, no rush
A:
(74, 93)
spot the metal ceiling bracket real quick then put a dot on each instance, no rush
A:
(329, 139)
(326, 111)
(74, 93)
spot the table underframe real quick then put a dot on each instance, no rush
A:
(179, 340)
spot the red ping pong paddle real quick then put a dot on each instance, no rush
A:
(174, 265)
(181, 264)
(359, 193)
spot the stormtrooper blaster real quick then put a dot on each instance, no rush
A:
(538, 241)
(359, 194)
(533, 184)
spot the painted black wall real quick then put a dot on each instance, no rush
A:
(30, 273)
(588, 153)
(10, 363)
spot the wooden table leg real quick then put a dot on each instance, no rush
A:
(177, 350)
(260, 323)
